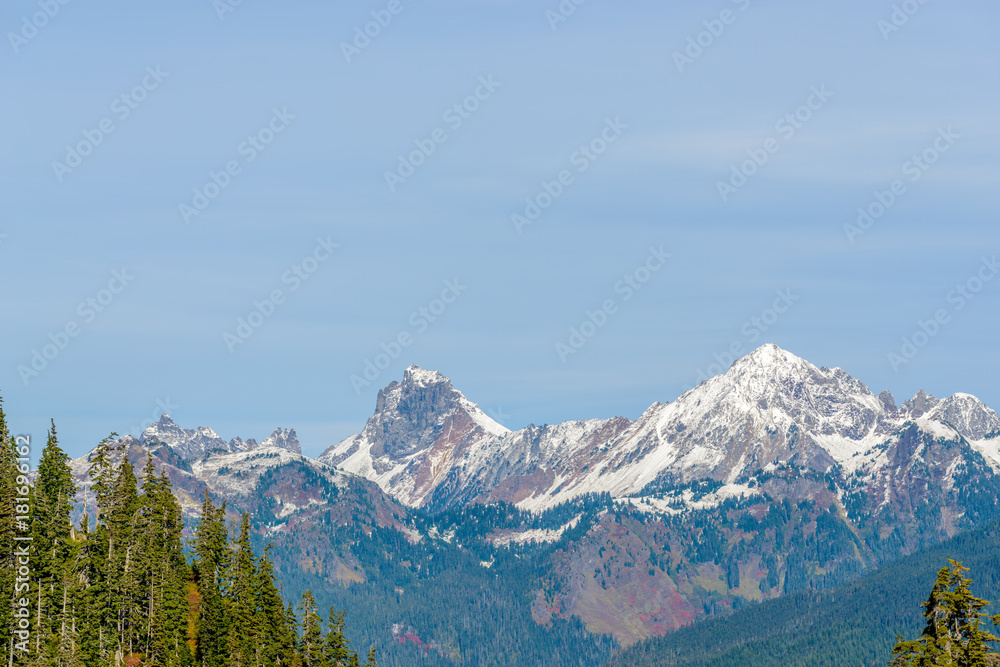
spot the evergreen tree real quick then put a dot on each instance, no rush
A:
(336, 646)
(212, 567)
(293, 625)
(312, 635)
(277, 638)
(122, 592)
(15, 501)
(8, 528)
(953, 635)
(52, 546)
(243, 630)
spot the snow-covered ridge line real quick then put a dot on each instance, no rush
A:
(427, 445)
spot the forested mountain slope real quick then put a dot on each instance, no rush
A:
(851, 625)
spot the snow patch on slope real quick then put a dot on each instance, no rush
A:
(534, 534)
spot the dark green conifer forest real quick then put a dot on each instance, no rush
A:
(124, 592)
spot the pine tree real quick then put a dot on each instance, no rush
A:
(118, 593)
(243, 631)
(212, 565)
(953, 635)
(173, 574)
(336, 647)
(51, 545)
(8, 493)
(312, 635)
(13, 485)
(277, 637)
(292, 622)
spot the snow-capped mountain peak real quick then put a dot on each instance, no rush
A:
(423, 378)
(283, 439)
(188, 443)
(964, 412)
(426, 444)
(421, 426)
(193, 443)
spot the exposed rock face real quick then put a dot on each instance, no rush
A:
(964, 412)
(428, 446)
(238, 444)
(193, 443)
(283, 439)
(772, 477)
(421, 429)
(186, 442)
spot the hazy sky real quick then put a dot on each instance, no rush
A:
(168, 167)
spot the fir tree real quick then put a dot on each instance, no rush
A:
(243, 630)
(336, 646)
(277, 636)
(122, 592)
(312, 635)
(212, 566)
(953, 635)
(8, 528)
(51, 545)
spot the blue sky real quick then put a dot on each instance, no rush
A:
(328, 127)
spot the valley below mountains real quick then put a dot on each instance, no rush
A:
(448, 536)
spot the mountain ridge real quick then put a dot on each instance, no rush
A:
(773, 477)
(769, 406)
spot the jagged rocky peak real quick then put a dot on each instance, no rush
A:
(967, 415)
(964, 412)
(407, 413)
(919, 405)
(238, 444)
(422, 413)
(283, 439)
(428, 391)
(186, 442)
(887, 401)
(770, 377)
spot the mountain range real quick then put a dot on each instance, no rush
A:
(773, 477)
(429, 446)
